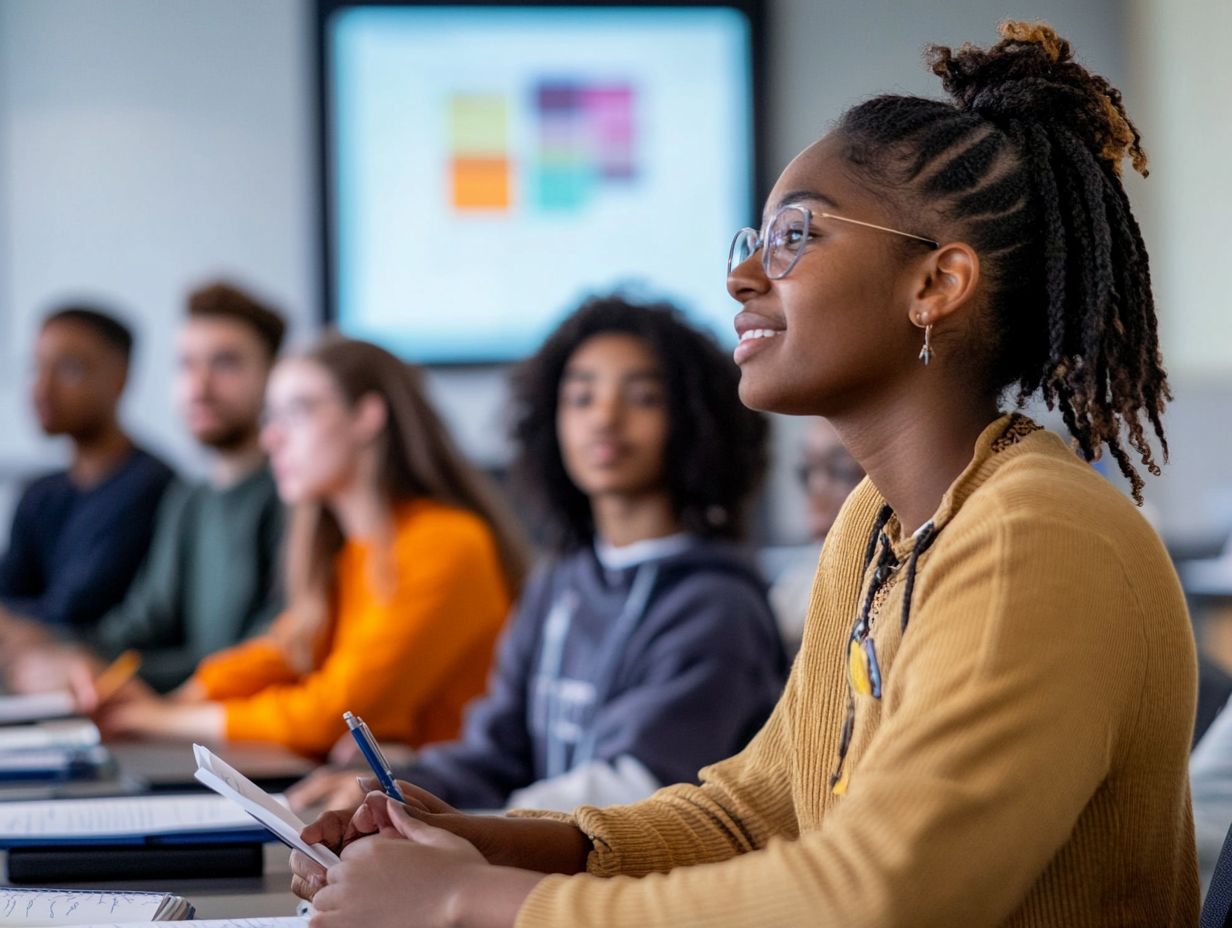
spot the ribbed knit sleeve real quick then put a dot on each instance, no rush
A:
(740, 804)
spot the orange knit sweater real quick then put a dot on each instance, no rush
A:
(406, 661)
(1024, 766)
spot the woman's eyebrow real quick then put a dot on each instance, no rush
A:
(796, 196)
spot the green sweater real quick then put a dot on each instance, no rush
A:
(210, 579)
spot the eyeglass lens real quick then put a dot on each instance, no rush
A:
(782, 242)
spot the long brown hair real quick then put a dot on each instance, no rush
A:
(417, 460)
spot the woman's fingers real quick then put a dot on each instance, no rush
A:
(330, 829)
(417, 796)
(307, 876)
(414, 829)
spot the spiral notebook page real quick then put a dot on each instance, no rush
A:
(85, 907)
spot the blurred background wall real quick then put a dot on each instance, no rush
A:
(147, 145)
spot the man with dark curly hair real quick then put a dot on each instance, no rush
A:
(644, 648)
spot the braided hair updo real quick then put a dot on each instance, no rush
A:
(1024, 164)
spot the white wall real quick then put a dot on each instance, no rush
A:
(148, 144)
(1181, 85)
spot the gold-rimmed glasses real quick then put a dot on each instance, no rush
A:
(785, 236)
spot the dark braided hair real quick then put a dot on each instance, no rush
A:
(1024, 164)
(716, 447)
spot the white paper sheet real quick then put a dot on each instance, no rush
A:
(225, 780)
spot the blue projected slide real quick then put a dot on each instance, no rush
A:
(491, 166)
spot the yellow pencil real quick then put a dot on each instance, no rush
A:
(119, 672)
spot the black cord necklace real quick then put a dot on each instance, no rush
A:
(863, 668)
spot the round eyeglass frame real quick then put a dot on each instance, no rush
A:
(754, 240)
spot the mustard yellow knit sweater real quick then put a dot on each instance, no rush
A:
(1025, 764)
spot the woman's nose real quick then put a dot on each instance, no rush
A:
(747, 279)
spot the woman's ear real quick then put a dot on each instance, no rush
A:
(944, 284)
(371, 415)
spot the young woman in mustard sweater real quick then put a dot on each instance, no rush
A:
(401, 571)
(989, 720)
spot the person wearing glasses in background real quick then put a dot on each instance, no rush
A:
(989, 720)
(79, 535)
(827, 473)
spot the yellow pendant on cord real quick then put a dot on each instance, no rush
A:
(857, 669)
(840, 788)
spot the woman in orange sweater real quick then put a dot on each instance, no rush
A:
(401, 568)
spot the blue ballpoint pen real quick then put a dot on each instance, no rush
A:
(372, 754)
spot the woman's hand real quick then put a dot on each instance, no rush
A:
(54, 667)
(17, 635)
(543, 845)
(329, 788)
(338, 828)
(412, 874)
(138, 710)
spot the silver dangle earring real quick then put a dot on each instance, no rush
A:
(926, 353)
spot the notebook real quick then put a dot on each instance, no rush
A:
(88, 907)
(56, 764)
(270, 811)
(42, 736)
(35, 706)
(117, 820)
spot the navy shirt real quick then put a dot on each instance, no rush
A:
(73, 551)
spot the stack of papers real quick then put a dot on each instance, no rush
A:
(57, 750)
(41, 736)
(270, 811)
(87, 907)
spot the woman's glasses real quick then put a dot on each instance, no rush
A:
(295, 412)
(785, 235)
